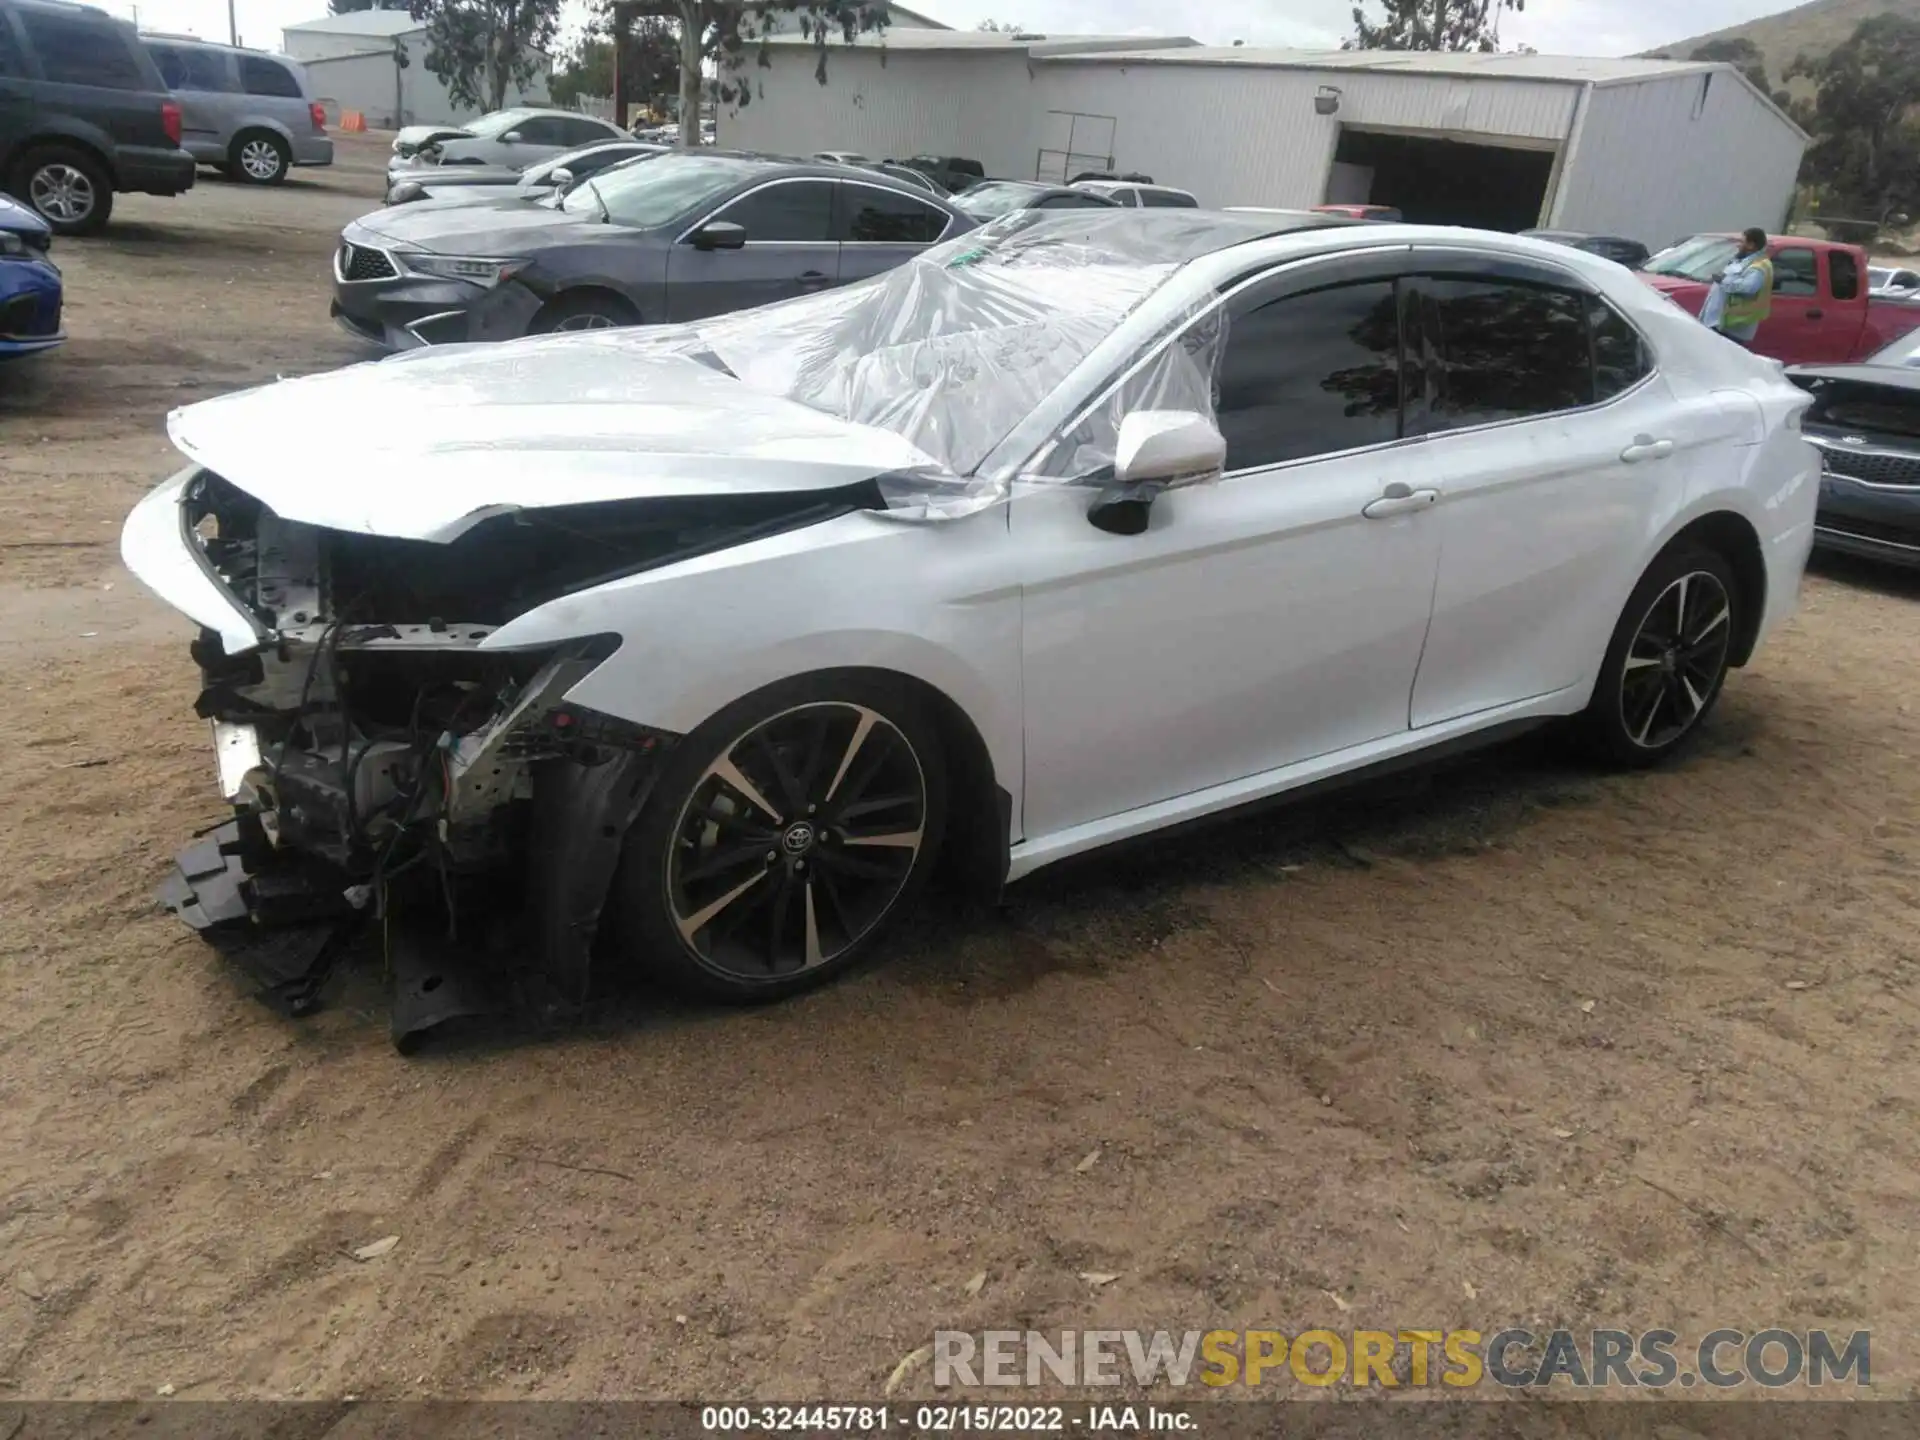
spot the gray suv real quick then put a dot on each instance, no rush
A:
(247, 113)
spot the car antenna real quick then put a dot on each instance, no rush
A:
(606, 215)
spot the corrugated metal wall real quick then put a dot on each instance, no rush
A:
(983, 106)
(1664, 158)
(1241, 135)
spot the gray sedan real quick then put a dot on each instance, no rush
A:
(514, 138)
(676, 238)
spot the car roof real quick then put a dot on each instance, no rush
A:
(755, 164)
(159, 37)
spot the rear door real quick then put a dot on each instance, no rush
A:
(16, 85)
(274, 93)
(790, 251)
(94, 68)
(878, 228)
(1547, 436)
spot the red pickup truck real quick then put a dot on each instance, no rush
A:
(1822, 314)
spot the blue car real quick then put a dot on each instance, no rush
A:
(29, 284)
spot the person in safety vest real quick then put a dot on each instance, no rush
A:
(1743, 295)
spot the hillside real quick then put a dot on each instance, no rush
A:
(1811, 29)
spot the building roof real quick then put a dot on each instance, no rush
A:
(383, 24)
(990, 42)
(1566, 69)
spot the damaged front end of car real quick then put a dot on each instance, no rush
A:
(389, 770)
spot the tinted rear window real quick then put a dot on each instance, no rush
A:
(79, 50)
(261, 76)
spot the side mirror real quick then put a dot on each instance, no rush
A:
(512, 137)
(1157, 450)
(561, 179)
(720, 235)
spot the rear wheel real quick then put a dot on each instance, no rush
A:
(591, 310)
(1668, 658)
(781, 838)
(69, 188)
(259, 157)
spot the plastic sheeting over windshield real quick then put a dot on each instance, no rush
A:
(956, 347)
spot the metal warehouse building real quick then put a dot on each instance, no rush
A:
(1648, 149)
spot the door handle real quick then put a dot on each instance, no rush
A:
(814, 279)
(1816, 313)
(1399, 499)
(1645, 447)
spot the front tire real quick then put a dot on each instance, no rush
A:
(782, 837)
(1668, 658)
(592, 310)
(66, 187)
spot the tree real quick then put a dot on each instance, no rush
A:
(1000, 27)
(649, 65)
(346, 7)
(1431, 25)
(1746, 57)
(1866, 147)
(477, 48)
(722, 31)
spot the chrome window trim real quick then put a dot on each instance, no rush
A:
(1044, 454)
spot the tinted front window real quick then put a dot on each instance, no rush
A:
(267, 77)
(672, 187)
(11, 61)
(492, 127)
(1167, 200)
(873, 216)
(1844, 271)
(1503, 351)
(1074, 202)
(544, 130)
(1311, 375)
(1796, 272)
(75, 51)
(796, 210)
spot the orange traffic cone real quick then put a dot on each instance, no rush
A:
(353, 122)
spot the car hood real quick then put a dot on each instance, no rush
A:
(19, 219)
(417, 135)
(1670, 284)
(428, 443)
(463, 175)
(503, 225)
(1888, 377)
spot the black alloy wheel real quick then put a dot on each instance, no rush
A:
(777, 845)
(1668, 658)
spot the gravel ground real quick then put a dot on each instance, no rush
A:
(1510, 1043)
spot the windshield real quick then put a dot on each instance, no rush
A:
(995, 198)
(492, 127)
(1701, 258)
(661, 191)
(958, 346)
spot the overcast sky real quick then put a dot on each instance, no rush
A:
(1558, 27)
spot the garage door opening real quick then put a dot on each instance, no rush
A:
(1443, 182)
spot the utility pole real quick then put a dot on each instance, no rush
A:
(233, 26)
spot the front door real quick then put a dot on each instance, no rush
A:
(1800, 323)
(790, 251)
(1262, 619)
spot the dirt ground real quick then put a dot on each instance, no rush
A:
(1514, 1043)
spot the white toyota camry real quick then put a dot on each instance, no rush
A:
(699, 646)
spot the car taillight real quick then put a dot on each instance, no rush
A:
(170, 120)
(319, 113)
